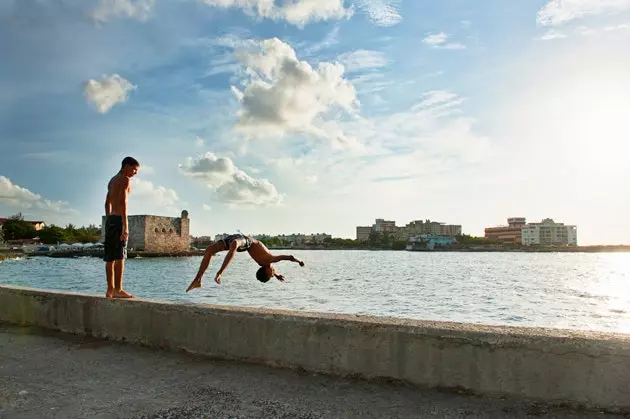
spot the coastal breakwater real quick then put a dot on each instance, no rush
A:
(574, 368)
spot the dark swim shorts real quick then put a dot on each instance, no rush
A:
(115, 249)
(243, 247)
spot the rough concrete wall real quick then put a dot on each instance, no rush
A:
(164, 234)
(589, 369)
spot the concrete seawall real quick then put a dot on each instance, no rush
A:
(584, 369)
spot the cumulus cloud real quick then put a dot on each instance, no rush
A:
(15, 197)
(285, 95)
(381, 12)
(363, 59)
(106, 93)
(295, 12)
(230, 184)
(559, 12)
(438, 40)
(432, 137)
(145, 192)
(130, 9)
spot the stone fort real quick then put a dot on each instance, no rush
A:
(152, 233)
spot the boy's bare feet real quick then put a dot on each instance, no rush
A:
(122, 294)
(196, 283)
(109, 293)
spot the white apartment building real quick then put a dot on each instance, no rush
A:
(548, 233)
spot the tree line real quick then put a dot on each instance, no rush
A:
(376, 240)
(15, 228)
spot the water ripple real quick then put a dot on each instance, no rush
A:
(584, 291)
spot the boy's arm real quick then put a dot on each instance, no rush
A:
(126, 183)
(108, 203)
(228, 258)
(287, 257)
(207, 256)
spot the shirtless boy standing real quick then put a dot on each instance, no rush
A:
(116, 228)
(240, 243)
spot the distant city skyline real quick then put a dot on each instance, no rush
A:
(319, 116)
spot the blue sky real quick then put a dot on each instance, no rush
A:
(318, 116)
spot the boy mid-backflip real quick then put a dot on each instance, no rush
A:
(241, 243)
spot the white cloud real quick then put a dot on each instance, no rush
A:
(438, 40)
(331, 38)
(559, 12)
(285, 95)
(452, 45)
(206, 207)
(147, 197)
(552, 34)
(363, 59)
(231, 184)
(15, 197)
(381, 12)
(295, 12)
(199, 141)
(371, 83)
(586, 31)
(426, 140)
(138, 9)
(435, 38)
(106, 93)
(583, 31)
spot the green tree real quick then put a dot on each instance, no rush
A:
(16, 229)
(399, 245)
(468, 239)
(52, 235)
(87, 234)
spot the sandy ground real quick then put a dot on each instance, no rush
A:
(46, 375)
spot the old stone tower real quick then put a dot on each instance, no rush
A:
(153, 233)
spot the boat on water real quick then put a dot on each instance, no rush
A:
(428, 242)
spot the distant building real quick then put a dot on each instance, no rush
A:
(152, 233)
(549, 233)
(510, 234)
(384, 226)
(363, 233)
(37, 225)
(301, 239)
(413, 228)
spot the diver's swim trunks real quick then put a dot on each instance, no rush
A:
(115, 249)
(243, 247)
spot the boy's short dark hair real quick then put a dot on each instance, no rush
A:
(129, 161)
(261, 275)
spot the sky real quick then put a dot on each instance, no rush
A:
(314, 116)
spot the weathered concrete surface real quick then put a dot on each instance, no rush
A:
(590, 369)
(52, 375)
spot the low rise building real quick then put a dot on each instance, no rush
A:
(363, 233)
(549, 233)
(414, 228)
(510, 234)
